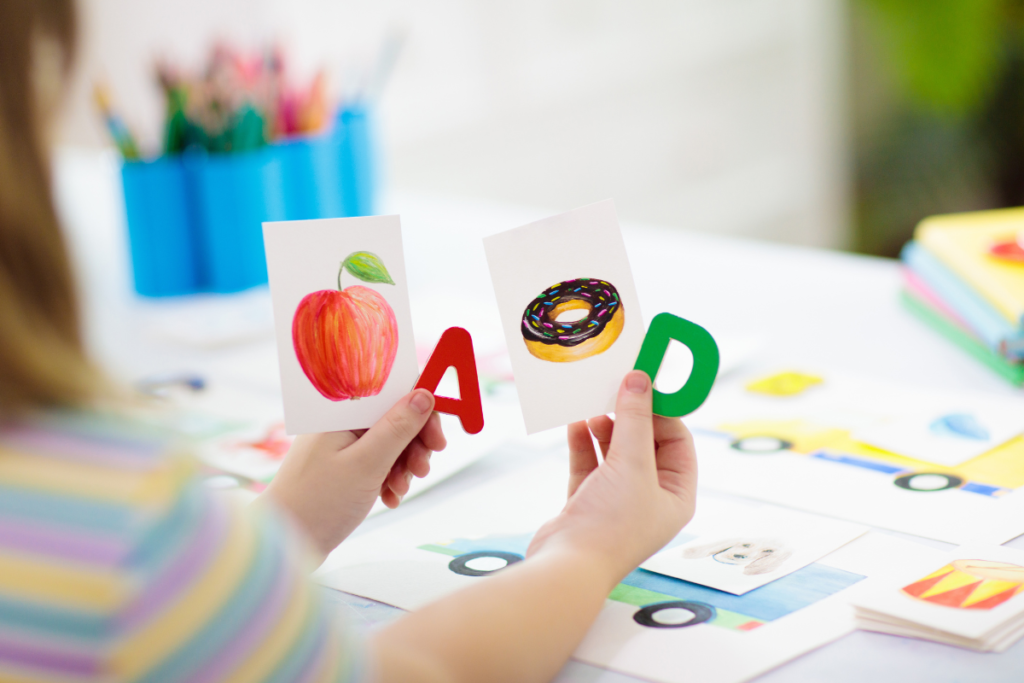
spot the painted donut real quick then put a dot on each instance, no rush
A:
(568, 341)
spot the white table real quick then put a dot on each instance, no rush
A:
(809, 308)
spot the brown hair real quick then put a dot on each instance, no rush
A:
(42, 362)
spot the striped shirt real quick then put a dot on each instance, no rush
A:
(115, 565)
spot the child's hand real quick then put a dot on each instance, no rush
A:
(330, 481)
(629, 507)
(522, 624)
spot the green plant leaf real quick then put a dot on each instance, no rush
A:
(367, 267)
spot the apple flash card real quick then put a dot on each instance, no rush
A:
(342, 319)
(570, 313)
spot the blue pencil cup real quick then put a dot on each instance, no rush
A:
(332, 175)
(356, 161)
(235, 193)
(311, 172)
(161, 228)
(195, 219)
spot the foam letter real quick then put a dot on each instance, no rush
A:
(664, 327)
(455, 349)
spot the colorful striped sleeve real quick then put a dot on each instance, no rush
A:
(115, 565)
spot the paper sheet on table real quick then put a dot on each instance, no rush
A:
(567, 261)
(241, 433)
(793, 442)
(739, 550)
(351, 355)
(945, 430)
(729, 638)
(942, 428)
(854, 489)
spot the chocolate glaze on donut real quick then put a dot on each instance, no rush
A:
(539, 325)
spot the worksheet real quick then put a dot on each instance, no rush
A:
(652, 626)
(570, 313)
(945, 431)
(341, 313)
(239, 432)
(812, 440)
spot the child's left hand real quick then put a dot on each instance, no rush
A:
(330, 481)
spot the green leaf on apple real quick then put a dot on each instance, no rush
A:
(367, 267)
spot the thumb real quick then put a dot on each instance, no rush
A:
(384, 442)
(634, 430)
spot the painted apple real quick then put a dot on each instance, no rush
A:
(346, 339)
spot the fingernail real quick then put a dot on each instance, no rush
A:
(637, 382)
(408, 477)
(420, 402)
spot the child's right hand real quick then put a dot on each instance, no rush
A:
(626, 509)
(522, 624)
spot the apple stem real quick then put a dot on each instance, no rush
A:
(341, 269)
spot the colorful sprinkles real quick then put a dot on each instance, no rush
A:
(596, 294)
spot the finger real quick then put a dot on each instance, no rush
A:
(390, 498)
(384, 442)
(386, 490)
(582, 458)
(398, 481)
(432, 435)
(601, 427)
(676, 455)
(668, 430)
(414, 461)
(633, 436)
(419, 459)
(399, 477)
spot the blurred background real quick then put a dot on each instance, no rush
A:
(834, 123)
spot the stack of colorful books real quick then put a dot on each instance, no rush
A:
(964, 277)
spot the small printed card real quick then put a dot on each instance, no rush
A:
(342, 318)
(740, 552)
(970, 598)
(570, 313)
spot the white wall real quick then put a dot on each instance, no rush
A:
(722, 115)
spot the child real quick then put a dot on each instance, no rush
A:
(116, 566)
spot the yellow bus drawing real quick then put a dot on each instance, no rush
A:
(995, 473)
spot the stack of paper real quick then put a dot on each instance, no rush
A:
(964, 276)
(970, 599)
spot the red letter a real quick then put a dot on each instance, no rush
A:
(455, 348)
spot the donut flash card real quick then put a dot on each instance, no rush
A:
(570, 313)
(341, 312)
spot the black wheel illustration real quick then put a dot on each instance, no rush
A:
(760, 443)
(647, 616)
(927, 482)
(486, 562)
